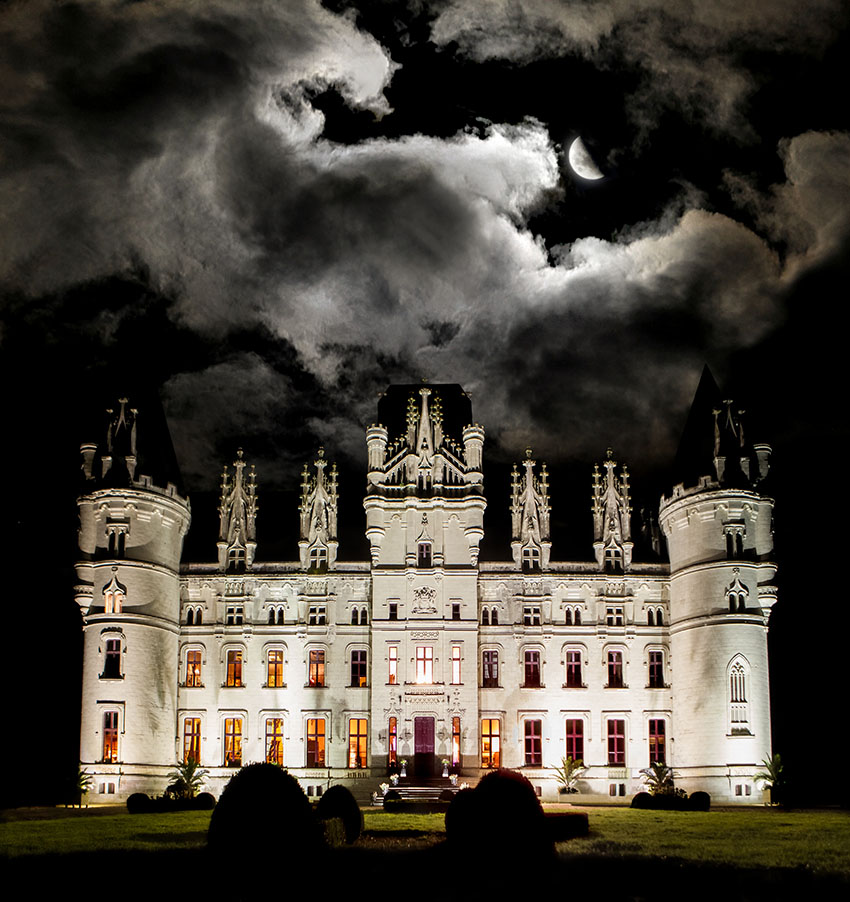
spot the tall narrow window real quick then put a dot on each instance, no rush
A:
(274, 740)
(615, 670)
(316, 676)
(112, 660)
(113, 600)
(616, 742)
(424, 664)
(315, 742)
(494, 617)
(577, 617)
(456, 610)
(532, 669)
(110, 737)
(393, 611)
(650, 617)
(423, 554)
(656, 670)
(357, 742)
(455, 664)
(355, 617)
(485, 617)
(358, 667)
(490, 669)
(534, 743)
(568, 617)
(455, 742)
(575, 739)
(193, 669)
(574, 669)
(274, 668)
(657, 742)
(738, 696)
(392, 741)
(392, 653)
(192, 739)
(234, 667)
(233, 742)
(490, 743)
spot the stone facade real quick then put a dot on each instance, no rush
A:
(424, 653)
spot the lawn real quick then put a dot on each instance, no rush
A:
(752, 838)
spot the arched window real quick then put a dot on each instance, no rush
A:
(577, 617)
(364, 616)
(738, 701)
(355, 617)
(485, 617)
(271, 615)
(650, 617)
(568, 616)
(659, 617)
(280, 616)
(494, 617)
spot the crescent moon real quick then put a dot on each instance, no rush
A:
(581, 161)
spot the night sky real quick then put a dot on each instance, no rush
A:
(265, 213)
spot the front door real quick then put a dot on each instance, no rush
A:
(423, 746)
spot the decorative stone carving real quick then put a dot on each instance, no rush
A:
(425, 600)
(530, 516)
(319, 499)
(612, 517)
(237, 537)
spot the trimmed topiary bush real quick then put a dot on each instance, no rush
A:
(503, 804)
(392, 800)
(699, 801)
(204, 801)
(267, 805)
(338, 802)
(447, 795)
(334, 832)
(138, 803)
(642, 800)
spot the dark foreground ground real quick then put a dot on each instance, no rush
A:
(404, 868)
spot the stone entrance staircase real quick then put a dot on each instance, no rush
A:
(422, 789)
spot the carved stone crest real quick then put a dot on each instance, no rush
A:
(425, 600)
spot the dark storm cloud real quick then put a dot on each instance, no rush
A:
(691, 55)
(182, 138)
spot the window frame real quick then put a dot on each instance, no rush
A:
(315, 741)
(574, 668)
(491, 742)
(317, 659)
(532, 660)
(457, 657)
(616, 668)
(574, 738)
(274, 668)
(110, 725)
(358, 668)
(234, 668)
(192, 728)
(358, 743)
(274, 732)
(425, 665)
(392, 665)
(490, 680)
(233, 730)
(657, 739)
(193, 671)
(656, 670)
(532, 742)
(615, 734)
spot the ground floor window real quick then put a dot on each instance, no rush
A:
(110, 737)
(232, 741)
(657, 742)
(192, 739)
(616, 742)
(316, 742)
(392, 750)
(357, 742)
(491, 746)
(575, 739)
(534, 743)
(274, 740)
(455, 742)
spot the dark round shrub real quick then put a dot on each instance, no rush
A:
(205, 801)
(504, 804)
(267, 805)
(138, 803)
(447, 795)
(642, 800)
(699, 801)
(338, 802)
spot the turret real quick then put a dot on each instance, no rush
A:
(719, 537)
(130, 541)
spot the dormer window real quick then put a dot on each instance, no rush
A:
(116, 537)
(423, 555)
(236, 559)
(114, 594)
(614, 560)
(530, 558)
(318, 558)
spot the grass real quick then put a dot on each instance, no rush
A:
(752, 838)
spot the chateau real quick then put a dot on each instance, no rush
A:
(339, 670)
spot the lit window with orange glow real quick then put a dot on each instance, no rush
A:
(233, 742)
(234, 667)
(392, 744)
(193, 669)
(192, 738)
(316, 673)
(274, 740)
(315, 742)
(357, 742)
(392, 653)
(274, 672)
(110, 737)
(455, 742)
(425, 664)
(491, 745)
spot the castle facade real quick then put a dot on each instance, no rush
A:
(424, 654)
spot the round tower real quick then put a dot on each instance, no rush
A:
(130, 541)
(720, 541)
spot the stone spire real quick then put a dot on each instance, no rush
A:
(237, 537)
(530, 516)
(611, 516)
(319, 496)
(119, 457)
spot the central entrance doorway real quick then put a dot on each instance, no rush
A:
(423, 746)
